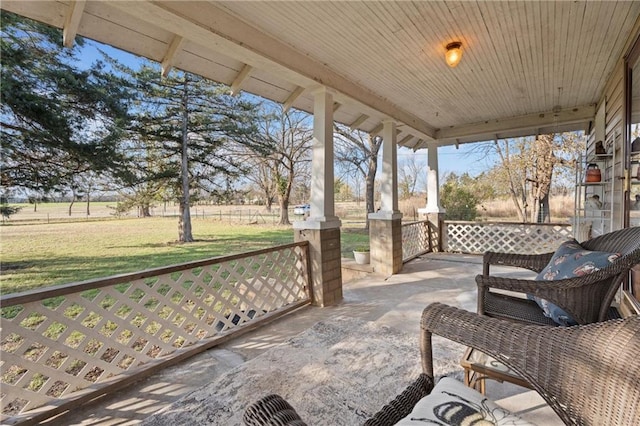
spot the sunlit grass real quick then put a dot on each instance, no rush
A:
(41, 255)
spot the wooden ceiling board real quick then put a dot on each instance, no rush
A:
(100, 21)
(223, 70)
(383, 58)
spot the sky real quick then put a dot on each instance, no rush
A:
(450, 159)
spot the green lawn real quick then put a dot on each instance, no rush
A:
(40, 255)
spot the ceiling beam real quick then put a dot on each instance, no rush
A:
(403, 141)
(169, 56)
(288, 103)
(358, 121)
(236, 86)
(217, 29)
(376, 129)
(72, 22)
(524, 125)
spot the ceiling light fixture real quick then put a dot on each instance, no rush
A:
(454, 53)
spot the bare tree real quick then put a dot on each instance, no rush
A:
(410, 176)
(552, 153)
(261, 175)
(512, 170)
(363, 159)
(526, 167)
(289, 135)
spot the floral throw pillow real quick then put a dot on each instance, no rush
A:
(569, 261)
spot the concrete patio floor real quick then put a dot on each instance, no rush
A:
(396, 301)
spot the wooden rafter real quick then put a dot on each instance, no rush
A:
(358, 121)
(236, 86)
(405, 139)
(169, 56)
(376, 129)
(72, 22)
(288, 103)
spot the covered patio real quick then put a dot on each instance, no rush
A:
(527, 68)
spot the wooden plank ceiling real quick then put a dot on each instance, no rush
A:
(527, 67)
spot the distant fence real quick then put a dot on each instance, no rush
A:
(248, 215)
(478, 237)
(61, 212)
(69, 344)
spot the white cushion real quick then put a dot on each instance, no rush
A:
(452, 403)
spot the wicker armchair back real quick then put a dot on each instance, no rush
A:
(587, 298)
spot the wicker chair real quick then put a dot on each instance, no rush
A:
(588, 374)
(587, 298)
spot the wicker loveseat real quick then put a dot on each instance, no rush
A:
(587, 298)
(588, 374)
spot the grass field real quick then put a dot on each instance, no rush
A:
(48, 247)
(46, 254)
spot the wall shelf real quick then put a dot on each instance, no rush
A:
(593, 214)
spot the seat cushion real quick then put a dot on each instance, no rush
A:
(452, 403)
(570, 260)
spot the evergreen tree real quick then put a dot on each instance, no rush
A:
(58, 121)
(191, 125)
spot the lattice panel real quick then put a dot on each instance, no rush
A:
(472, 237)
(415, 239)
(54, 347)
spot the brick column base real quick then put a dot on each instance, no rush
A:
(326, 264)
(385, 237)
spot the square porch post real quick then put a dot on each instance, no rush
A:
(434, 211)
(385, 225)
(322, 227)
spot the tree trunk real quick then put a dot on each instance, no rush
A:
(283, 198)
(284, 211)
(520, 204)
(543, 175)
(544, 212)
(88, 203)
(514, 197)
(268, 201)
(184, 222)
(525, 203)
(145, 210)
(370, 178)
(370, 190)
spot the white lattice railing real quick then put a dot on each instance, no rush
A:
(529, 238)
(68, 344)
(415, 239)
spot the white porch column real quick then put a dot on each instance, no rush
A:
(389, 183)
(322, 228)
(322, 176)
(434, 211)
(433, 183)
(385, 225)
